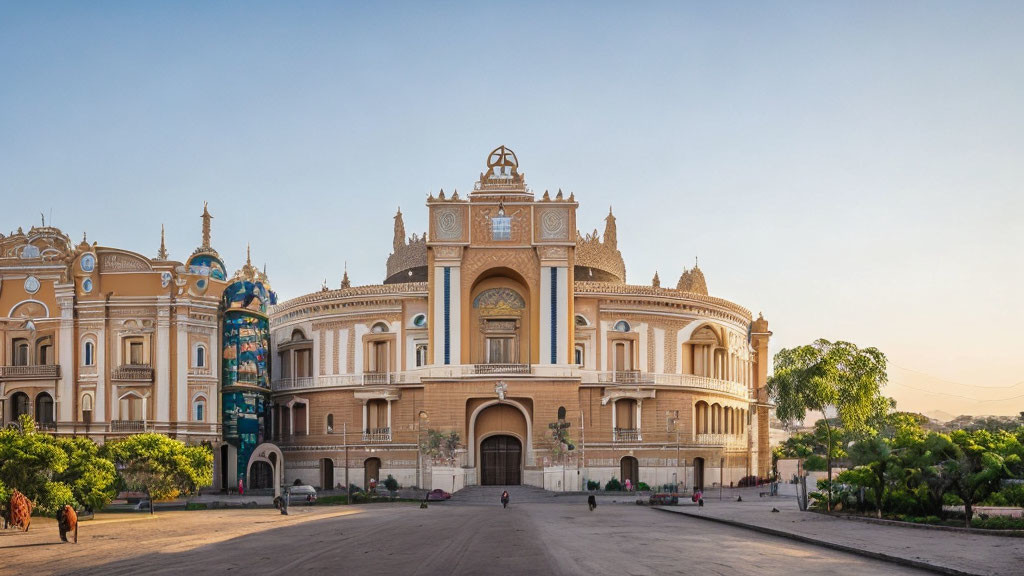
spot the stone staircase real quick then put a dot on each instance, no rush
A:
(492, 495)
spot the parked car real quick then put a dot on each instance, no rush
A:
(302, 492)
(438, 494)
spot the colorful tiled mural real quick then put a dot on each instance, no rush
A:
(245, 368)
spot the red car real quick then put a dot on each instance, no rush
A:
(438, 494)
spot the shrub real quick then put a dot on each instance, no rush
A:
(593, 485)
(391, 484)
(353, 489)
(613, 485)
(998, 523)
(298, 482)
(643, 487)
(195, 506)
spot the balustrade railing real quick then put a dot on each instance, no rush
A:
(46, 371)
(627, 435)
(501, 369)
(728, 440)
(133, 373)
(377, 435)
(623, 377)
(127, 425)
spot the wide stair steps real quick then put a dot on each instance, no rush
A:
(492, 495)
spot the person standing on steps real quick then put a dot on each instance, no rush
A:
(504, 499)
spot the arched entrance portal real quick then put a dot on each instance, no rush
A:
(371, 471)
(261, 475)
(326, 474)
(629, 468)
(501, 458)
(698, 473)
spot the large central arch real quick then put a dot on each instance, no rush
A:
(520, 428)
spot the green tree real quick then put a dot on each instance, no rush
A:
(92, 479)
(161, 467)
(974, 470)
(872, 460)
(832, 378)
(28, 463)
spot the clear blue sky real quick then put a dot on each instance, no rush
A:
(852, 170)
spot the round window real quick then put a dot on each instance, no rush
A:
(87, 285)
(419, 320)
(88, 263)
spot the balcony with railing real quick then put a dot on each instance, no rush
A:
(623, 377)
(723, 440)
(50, 426)
(626, 435)
(634, 378)
(40, 372)
(377, 435)
(132, 373)
(501, 369)
(128, 426)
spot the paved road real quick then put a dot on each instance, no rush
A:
(557, 537)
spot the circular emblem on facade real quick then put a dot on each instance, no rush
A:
(31, 284)
(165, 279)
(87, 285)
(448, 224)
(553, 225)
(88, 263)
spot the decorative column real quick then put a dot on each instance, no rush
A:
(65, 401)
(162, 366)
(181, 381)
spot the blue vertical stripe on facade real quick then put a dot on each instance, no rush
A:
(447, 315)
(554, 315)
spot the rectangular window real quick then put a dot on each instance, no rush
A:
(501, 228)
(21, 354)
(135, 353)
(579, 355)
(199, 412)
(499, 351)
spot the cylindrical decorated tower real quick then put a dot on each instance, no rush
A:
(245, 368)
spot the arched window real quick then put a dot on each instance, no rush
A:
(701, 417)
(581, 320)
(330, 423)
(199, 409)
(44, 408)
(379, 328)
(200, 356)
(44, 351)
(89, 354)
(622, 326)
(21, 352)
(87, 408)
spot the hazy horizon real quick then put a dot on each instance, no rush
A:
(850, 170)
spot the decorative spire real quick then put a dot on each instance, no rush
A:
(656, 281)
(399, 240)
(206, 228)
(611, 237)
(161, 254)
(248, 255)
(344, 278)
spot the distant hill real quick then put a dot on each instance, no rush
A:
(940, 415)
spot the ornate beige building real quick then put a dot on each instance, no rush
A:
(500, 324)
(103, 342)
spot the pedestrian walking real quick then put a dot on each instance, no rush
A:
(504, 499)
(592, 502)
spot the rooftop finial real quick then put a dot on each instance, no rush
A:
(161, 254)
(656, 281)
(399, 239)
(206, 227)
(344, 278)
(43, 216)
(248, 255)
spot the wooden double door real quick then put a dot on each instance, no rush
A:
(501, 461)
